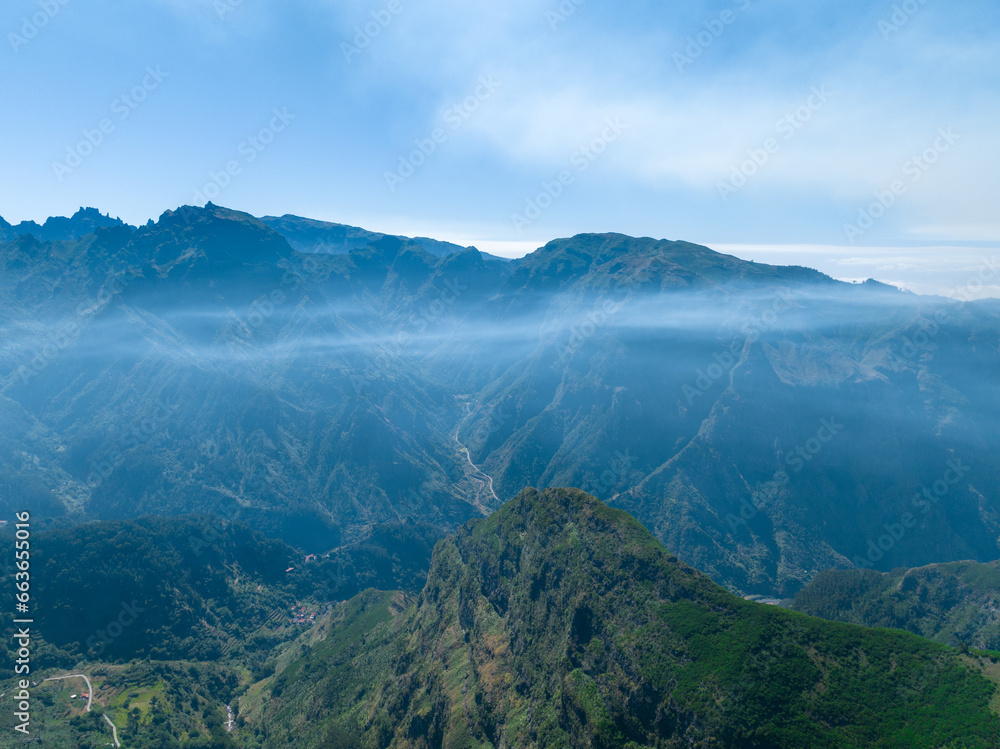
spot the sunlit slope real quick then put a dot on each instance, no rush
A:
(559, 622)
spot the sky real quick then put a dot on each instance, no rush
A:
(859, 138)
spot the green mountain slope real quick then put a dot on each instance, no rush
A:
(957, 603)
(153, 705)
(764, 422)
(171, 618)
(197, 588)
(560, 622)
(160, 588)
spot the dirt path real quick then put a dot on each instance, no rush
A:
(90, 700)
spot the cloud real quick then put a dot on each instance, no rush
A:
(956, 271)
(688, 126)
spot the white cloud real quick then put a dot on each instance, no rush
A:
(947, 270)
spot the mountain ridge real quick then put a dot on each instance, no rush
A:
(955, 603)
(559, 621)
(318, 396)
(61, 228)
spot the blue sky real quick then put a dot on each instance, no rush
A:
(862, 138)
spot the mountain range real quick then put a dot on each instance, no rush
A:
(61, 228)
(764, 422)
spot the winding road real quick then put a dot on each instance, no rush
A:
(482, 475)
(90, 700)
(114, 731)
(90, 689)
(477, 469)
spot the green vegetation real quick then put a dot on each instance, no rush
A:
(957, 603)
(154, 705)
(556, 622)
(188, 588)
(393, 556)
(202, 364)
(198, 588)
(559, 622)
(173, 618)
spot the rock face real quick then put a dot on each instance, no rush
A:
(764, 422)
(560, 622)
(60, 228)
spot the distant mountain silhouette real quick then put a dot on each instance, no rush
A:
(764, 422)
(310, 235)
(60, 228)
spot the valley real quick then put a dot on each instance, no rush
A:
(279, 483)
(314, 396)
(551, 374)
